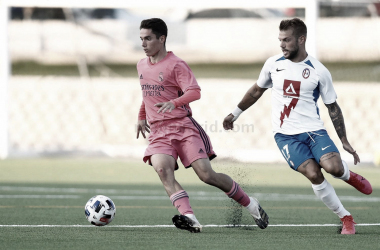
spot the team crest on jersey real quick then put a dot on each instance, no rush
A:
(161, 77)
(306, 73)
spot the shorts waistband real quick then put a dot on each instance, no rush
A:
(165, 123)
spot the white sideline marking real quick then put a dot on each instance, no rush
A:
(163, 226)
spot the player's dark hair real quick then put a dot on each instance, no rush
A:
(157, 25)
(299, 27)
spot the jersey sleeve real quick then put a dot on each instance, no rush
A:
(185, 77)
(326, 88)
(189, 96)
(265, 80)
(142, 113)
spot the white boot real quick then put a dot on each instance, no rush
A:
(187, 222)
(259, 215)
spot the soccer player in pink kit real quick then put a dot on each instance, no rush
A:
(168, 86)
(297, 80)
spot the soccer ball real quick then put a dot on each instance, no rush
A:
(100, 210)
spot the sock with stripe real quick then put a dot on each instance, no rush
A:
(326, 193)
(181, 201)
(238, 195)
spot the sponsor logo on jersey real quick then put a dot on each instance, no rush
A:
(141, 77)
(306, 73)
(152, 89)
(279, 70)
(156, 87)
(292, 88)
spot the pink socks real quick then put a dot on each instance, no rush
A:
(181, 201)
(238, 195)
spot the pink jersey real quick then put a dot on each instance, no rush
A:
(164, 81)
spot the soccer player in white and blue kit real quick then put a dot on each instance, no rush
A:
(297, 80)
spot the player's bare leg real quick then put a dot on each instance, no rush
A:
(333, 164)
(203, 169)
(164, 166)
(311, 170)
(323, 190)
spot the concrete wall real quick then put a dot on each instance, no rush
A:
(223, 40)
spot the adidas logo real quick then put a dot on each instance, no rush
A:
(141, 77)
(201, 151)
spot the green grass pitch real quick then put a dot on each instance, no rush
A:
(42, 207)
(340, 71)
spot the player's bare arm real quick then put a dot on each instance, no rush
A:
(142, 127)
(253, 94)
(337, 119)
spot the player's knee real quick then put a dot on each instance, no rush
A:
(206, 178)
(335, 169)
(159, 171)
(162, 172)
(315, 176)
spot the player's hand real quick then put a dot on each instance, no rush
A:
(228, 122)
(142, 126)
(165, 106)
(349, 149)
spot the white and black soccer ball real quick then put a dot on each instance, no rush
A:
(100, 210)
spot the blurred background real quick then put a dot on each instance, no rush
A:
(69, 85)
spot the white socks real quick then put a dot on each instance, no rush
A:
(346, 174)
(326, 193)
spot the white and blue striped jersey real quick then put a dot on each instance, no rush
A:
(296, 87)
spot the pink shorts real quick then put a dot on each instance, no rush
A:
(182, 137)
